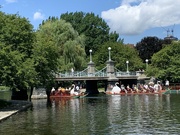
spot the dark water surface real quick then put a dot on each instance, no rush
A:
(102, 115)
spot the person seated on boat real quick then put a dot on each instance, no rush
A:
(53, 91)
(129, 89)
(77, 89)
(146, 87)
(64, 92)
(157, 87)
(116, 89)
(133, 89)
(58, 91)
(61, 91)
(151, 86)
(72, 89)
(136, 89)
(123, 88)
(67, 89)
(141, 88)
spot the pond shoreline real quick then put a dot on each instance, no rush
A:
(15, 107)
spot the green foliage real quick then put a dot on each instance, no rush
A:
(148, 46)
(17, 32)
(4, 88)
(16, 43)
(93, 27)
(120, 54)
(166, 63)
(58, 47)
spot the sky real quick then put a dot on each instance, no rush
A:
(131, 19)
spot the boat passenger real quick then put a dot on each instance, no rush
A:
(129, 89)
(77, 89)
(116, 89)
(145, 86)
(136, 89)
(53, 91)
(123, 88)
(151, 86)
(157, 87)
(59, 89)
(141, 88)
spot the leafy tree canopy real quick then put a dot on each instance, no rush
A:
(148, 46)
(16, 43)
(166, 63)
(60, 46)
(93, 27)
(120, 54)
(17, 32)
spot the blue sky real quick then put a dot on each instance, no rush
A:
(132, 19)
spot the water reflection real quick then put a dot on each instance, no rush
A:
(106, 115)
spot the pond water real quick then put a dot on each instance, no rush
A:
(98, 115)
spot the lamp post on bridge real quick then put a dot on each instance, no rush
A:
(90, 51)
(127, 62)
(109, 48)
(146, 63)
(110, 70)
(91, 66)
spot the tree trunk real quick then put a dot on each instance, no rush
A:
(31, 92)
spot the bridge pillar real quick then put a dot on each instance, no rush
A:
(91, 69)
(110, 69)
(111, 74)
(91, 87)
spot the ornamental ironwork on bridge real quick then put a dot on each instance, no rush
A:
(109, 72)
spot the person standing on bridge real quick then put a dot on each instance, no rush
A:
(72, 71)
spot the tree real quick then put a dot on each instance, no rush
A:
(120, 54)
(93, 27)
(58, 48)
(148, 46)
(17, 32)
(166, 63)
(16, 43)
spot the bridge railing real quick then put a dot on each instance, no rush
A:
(81, 73)
(69, 74)
(121, 73)
(125, 73)
(98, 73)
(101, 73)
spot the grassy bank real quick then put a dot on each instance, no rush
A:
(4, 88)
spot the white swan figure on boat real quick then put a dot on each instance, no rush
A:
(116, 89)
(73, 92)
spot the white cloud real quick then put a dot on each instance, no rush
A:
(135, 16)
(11, 1)
(38, 16)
